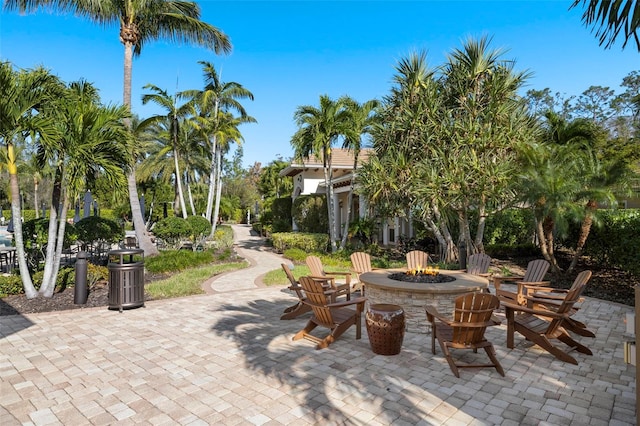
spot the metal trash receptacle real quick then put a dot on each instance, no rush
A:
(126, 279)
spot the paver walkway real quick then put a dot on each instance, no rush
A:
(226, 358)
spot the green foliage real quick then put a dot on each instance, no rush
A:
(281, 210)
(295, 254)
(96, 273)
(223, 237)
(363, 229)
(172, 230)
(177, 260)
(515, 250)
(614, 239)
(512, 226)
(94, 229)
(310, 213)
(200, 227)
(307, 242)
(10, 284)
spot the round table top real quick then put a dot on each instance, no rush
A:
(463, 282)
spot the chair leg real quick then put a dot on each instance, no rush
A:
(447, 354)
(492, 356)
(305, 331)
(575, 344)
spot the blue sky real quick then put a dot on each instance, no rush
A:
(288, 53)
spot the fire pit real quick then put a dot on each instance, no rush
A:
(426, 276)
(415, 296)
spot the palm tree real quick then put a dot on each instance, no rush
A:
(175, 115)
(22, 93)
(140, 22)
(217, 96)
(610, 18)
(92, 141)
(319, 129)
(361, 122)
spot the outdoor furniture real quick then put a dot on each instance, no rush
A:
(472, 315)
(336, 316)
(385, 327)
(541, 326)
(7, 258)
(361, 263)
(417, 259)
(553, 298)
(299, 308)
(317, 271)
(533, 276)
(478, 264)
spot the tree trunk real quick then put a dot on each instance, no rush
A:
(585, 229)
(58, 241)
(345, 231)
(328, 178)
(183, 207)
(190, 195)
(212, 171)
(48, 280)
(35, 197)
(27, 284)
(218, 190)
(449, 249)
(482, 221)
(144, 238)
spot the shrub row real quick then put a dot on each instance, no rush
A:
(306, 242)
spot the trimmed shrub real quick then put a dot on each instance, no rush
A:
(223, 237)
(172, 230)
(200, 227)
(95, 229)
(510, 227)
(281, 214)
(307, 242)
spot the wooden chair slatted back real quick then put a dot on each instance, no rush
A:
(474, 309)
(572, 297)
(361, 262)
(318, 300)
(478, 264)
(315, 266)
(536, 270)
(295, 285)
(417, 259)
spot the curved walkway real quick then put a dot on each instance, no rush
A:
(261, 261)
(226, 358)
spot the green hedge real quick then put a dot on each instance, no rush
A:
(310, 214)
(614, 239)
(510, 227)
(307, 242)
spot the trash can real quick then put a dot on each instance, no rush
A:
(126, 279)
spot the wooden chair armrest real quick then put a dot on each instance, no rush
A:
(534, 283)
(338, 273)
(511, 307)
(432, 312)
(502, 278)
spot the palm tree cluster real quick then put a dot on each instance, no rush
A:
(320, 128)
(457, 143)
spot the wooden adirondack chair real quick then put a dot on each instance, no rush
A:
(478, 264)
(541, 326)
(361, 263)
(533, 277)
(417, 259)
(317, 271)
(336, 316)
(299, 308)
(472, 315)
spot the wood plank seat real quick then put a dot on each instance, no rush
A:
(479, 264)
(473, 313)
(336, 316)
(543, 326)
(417, 259)
(361, 263)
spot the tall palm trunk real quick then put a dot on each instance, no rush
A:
(212, 179)
(143, 236)
(345, 230)
(328, 178)
(183, 207)
(36, 202)
(218, 190)
(585, 229)
(48, 278)
(190, 194)
(29, 289)
(482, 221)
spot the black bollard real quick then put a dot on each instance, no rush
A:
(81, 290)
